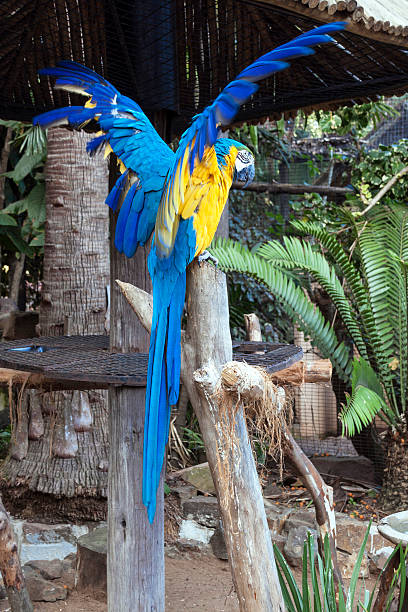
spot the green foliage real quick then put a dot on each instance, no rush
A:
(374, 169)
(322, 594)
(358, 120)
(22, 219)
(369, 289)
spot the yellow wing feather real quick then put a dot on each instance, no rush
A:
(201, 195)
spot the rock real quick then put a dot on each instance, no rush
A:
(203, 510)
(347, 564)
(279, 541)
(92, 552)
(188, 546)
(49, 570)
(293, 548)
(299, 518)
(378, 560)
(184, 491)
(199, 476)
(276, 516)
(351, 532)
(68, 579)
(349, 467)
(39, 541)
(43, 590)
(194, 532)
(217, 542)
(69, 562)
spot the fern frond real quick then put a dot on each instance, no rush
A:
(299, 254)
(367, 399)
(374, 340)
(232, 256)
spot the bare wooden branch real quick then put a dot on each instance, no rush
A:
(140, 301)
(10, 567)
(292, 188)
(253, 327)
(248, 383)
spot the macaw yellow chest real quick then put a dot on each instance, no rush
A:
(210, 187)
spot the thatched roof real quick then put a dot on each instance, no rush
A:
(385, 20)
(176, 55)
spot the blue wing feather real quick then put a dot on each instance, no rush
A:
(204, 129)
(132, 138)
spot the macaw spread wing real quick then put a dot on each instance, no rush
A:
(205, 127)
(144, 157)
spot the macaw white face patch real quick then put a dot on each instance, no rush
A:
(244, 158)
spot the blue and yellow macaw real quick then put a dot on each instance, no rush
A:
(181, 195)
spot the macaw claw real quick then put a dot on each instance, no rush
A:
(206, 256)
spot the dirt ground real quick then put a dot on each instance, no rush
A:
(193, 584)
(199, 584)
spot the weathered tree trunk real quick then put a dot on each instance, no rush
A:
(10, 567)
(394, 492)
(135, 547)
(70, 458)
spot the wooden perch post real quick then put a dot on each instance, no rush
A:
(10, 567)
(206, 348)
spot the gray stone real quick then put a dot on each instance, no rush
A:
(300, 518)
(293, 548)
(276, 516)
(347, 564)
(378, 560)
(92, 553)
(217, 542)
(193, 531)
(203, 510)
(68, 579)
(199, 476)
(43, 590)
(69, 562)
(49, 570)
(39, 541)
(279, 541)
(184, 491)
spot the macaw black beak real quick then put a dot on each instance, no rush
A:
(246, 175)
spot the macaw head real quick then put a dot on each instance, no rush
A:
(244, 166)
(244, 169)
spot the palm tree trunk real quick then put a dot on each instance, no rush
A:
(66, 457)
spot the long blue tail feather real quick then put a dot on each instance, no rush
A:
(163, 380)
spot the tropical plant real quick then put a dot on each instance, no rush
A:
(369, 289)
(323, 595)
(22, 215)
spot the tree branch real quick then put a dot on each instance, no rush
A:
(384, 190)
(292, 188)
